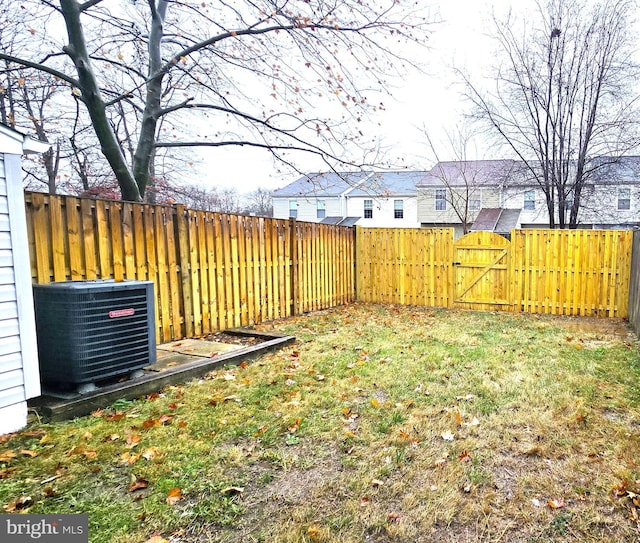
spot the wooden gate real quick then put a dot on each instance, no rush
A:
(481, 269)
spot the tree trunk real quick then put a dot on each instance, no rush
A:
(146, 143)
(91, 97)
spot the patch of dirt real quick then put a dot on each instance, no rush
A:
(233, 339)
(599, 328)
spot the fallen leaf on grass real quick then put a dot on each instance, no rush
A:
(174, 496)
(7, 456)
(49, 492)
(150, 453)
(377, 482)
(293, 428)
(111, 438)
(393, 517)
(116, 416)
(364, 501)
(133, 440)
(448, 436)
(313, 532)
(6, 472)
(464, 457)
(138, 484)
(82, 450)
(20, 504)
(29, 453)
(556, 504)
(162, 420)
(129, 458)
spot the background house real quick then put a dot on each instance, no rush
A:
(19, 373)
(373, 199)
(500, 195)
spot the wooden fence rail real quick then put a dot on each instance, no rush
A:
(211, 270)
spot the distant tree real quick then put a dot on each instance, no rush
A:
(259, 202)
(254, 71)
(565, 93)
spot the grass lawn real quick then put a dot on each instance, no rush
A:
(380, 424)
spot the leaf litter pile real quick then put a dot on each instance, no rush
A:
(380, 424)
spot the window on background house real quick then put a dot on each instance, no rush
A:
(529, 199)
(321, 209)
(624, 198)
(441, 199)
(475, 204)
(293, 209)
(368, 209)
(398, 209)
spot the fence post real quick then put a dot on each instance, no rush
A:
(293, 229)
(184, 262)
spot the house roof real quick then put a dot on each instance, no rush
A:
(402, 183)
(616, 170)
(18, 142)
(471, 172)
(498, 220)
(340, 221)
(600, 170)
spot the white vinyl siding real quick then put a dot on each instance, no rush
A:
(19, 374)
(12, 389)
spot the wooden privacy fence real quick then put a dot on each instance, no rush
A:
(560, 272)
(211, 271)
(214, 271)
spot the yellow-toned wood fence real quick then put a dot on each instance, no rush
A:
(214, 271)
(211, 270)
(560, 272)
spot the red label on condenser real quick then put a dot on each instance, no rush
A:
(121, 313)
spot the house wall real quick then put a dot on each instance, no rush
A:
(427, 212)
(513, 198)
(19, 375)
(352, 206)
(599, 206)
(383, 211)
(307, 208)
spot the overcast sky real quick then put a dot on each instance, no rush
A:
(430, 100)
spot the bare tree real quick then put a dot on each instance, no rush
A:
(460, 178)
(259, 202)
(564, 95)
(254, 71)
